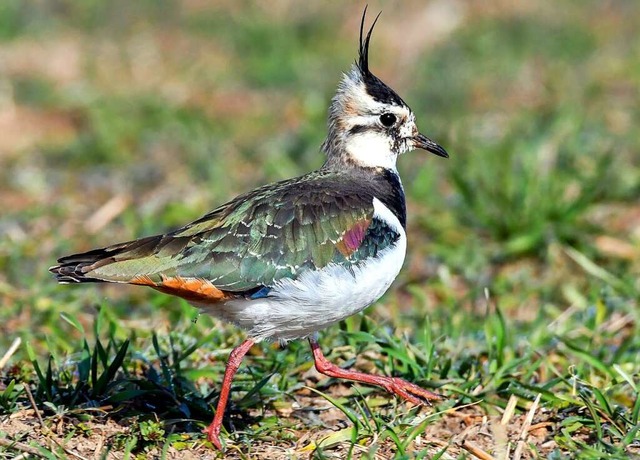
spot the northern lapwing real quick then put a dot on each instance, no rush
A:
(289, 259)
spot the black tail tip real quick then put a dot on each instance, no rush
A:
(66, 274)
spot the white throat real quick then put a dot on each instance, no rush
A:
(371, 150)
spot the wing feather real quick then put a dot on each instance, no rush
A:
(251, 242)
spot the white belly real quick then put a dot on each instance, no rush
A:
(316, 299)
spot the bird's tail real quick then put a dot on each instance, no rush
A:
(80, 268)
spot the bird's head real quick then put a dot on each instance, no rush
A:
(369, 124)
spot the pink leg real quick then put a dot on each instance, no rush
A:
(235, 358)
(397, 386)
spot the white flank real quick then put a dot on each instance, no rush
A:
(319, 298)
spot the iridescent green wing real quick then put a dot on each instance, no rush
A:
(274, 232)
(277, 233)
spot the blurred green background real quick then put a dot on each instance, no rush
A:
(121, 119)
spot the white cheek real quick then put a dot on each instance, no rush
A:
(371, 149)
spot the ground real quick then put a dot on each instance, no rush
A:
(518, 301)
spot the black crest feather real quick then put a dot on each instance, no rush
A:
(375, 87)
(363, 52)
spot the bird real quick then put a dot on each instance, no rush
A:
(291, 258)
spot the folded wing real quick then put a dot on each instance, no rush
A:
(243, 246)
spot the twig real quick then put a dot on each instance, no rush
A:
(537, 426)
(524, 433)
(12, 349)
(35, 407)
(106, 213)
(46, 431)
(22, 447)
(473, 449)
(508, 412)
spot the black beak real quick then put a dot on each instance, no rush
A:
(423, 142)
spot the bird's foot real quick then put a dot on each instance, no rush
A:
(407, 390)
(213, 435)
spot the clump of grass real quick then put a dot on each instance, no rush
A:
(537, 183)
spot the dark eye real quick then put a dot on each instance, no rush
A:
(388, 119)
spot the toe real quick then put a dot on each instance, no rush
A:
(413, 393)
(213, 437)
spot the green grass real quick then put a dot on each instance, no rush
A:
(521, 279)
